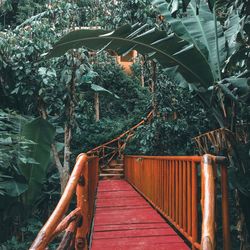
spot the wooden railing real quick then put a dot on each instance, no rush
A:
(83, 181)
(108, 150)
(172, 186)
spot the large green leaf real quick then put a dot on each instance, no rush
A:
(13, 188)
(100, 89)
(168, 50)
(233, 28)
(42, 133)
(175, 5)
(10, 187)
(199, 30)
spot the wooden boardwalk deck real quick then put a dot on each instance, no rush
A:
(124, 220)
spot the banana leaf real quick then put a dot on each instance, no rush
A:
(168, 50)
(42, 133)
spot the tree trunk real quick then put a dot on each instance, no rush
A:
(64, 175)
(69, 111)
(142, 72)
(153, 86)
(97, 107)
(64, 169)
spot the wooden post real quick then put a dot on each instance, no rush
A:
(82, 202)
(194, 209)
(208, 203)
(68, 237)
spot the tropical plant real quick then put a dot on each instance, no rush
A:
(200, 37)
(116, 115)
(179, 116)
(24, 158)
(35, 172)
(25, 154)
(12, 150)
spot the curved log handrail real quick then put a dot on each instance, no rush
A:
(100, 147)
(78, 182)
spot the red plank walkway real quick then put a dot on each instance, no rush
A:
(124, 221)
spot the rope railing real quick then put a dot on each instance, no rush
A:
(171, 185)
(83, 181)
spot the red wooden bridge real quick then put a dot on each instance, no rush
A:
(125, 220)
(163, 202)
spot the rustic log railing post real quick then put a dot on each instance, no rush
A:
(83, 181)
(194, 204)
(82, 202)
(69, 236)
(208, 203)
(46, 233)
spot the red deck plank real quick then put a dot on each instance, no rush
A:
(127, 216)
(125, 221)
(133, 232)
(134, 226)
(118, 194)
(137, 244)
(117, 202)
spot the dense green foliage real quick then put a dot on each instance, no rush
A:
(180, 116)
(44, 102)
(117, 114)
(23, 149)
